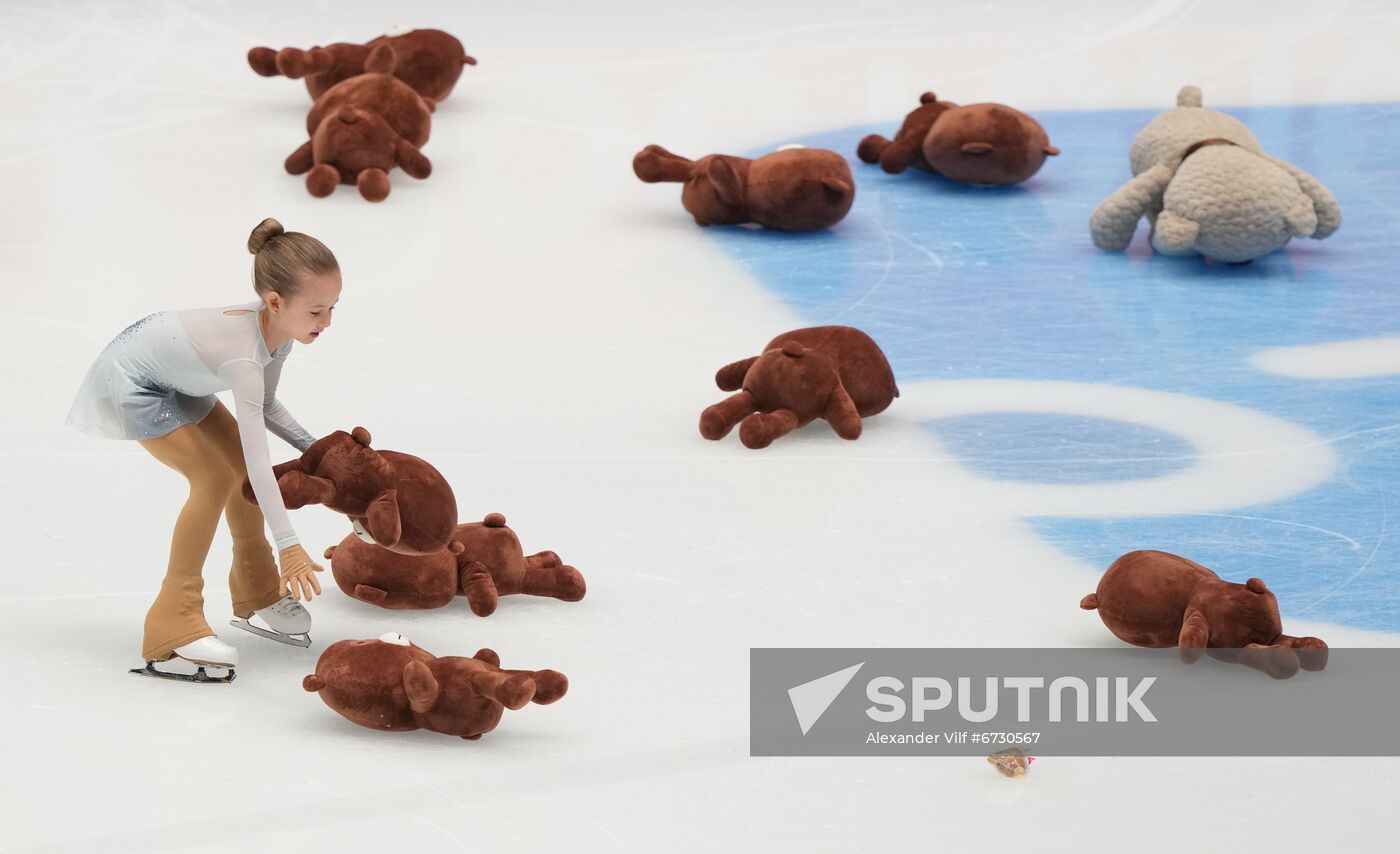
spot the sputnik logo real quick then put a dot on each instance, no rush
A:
(810, 700)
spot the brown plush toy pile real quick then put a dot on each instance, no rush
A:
(797, 189)
(429, 60)
(1156, 599)
(404, 503)
(483, 562)
(374, 105)
(361, 128)
(832, 372)
(372, 574)
(391, 684)
(975, 144)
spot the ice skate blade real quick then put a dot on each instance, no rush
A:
(198, 676)
(302, 640)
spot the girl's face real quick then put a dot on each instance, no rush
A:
(305, 316)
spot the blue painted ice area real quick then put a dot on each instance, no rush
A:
(960, 282)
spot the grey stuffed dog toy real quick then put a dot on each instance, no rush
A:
(1206, 186)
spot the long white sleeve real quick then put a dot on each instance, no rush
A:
(279, 421)
(245, 378)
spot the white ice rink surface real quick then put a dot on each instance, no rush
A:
(544, 328)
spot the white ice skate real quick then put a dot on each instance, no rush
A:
(287, 622)
(205, 652)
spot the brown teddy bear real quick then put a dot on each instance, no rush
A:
(493, 564)
(363, 127)
(796, 189)
(429, 60)
(907, 147)
(483, 562)
(1157, 599)
(391, 684)
(832, 372)
(404, 503)
(974, 144)
(372, 574)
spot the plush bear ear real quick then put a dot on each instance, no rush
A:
(383, 518)
(381, 60)
(927, 98)
(725, 179)
(793, 348)
(361, 436)
(456, 548)
(1256, 585)
(1301, 219)
(494, 520)
(420, 686)
(1174, 234)
(836, 189)
(312, 683)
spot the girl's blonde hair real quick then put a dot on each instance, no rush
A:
(281, 258)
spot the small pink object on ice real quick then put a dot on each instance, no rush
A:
(1011, 762)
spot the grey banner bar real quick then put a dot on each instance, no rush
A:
(1067, 702)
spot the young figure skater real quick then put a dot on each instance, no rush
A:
(156, 383)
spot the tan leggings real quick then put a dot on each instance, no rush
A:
(210, 457)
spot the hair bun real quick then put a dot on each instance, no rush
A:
(266, 230)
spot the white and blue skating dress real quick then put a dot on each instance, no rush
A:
(162, 373)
